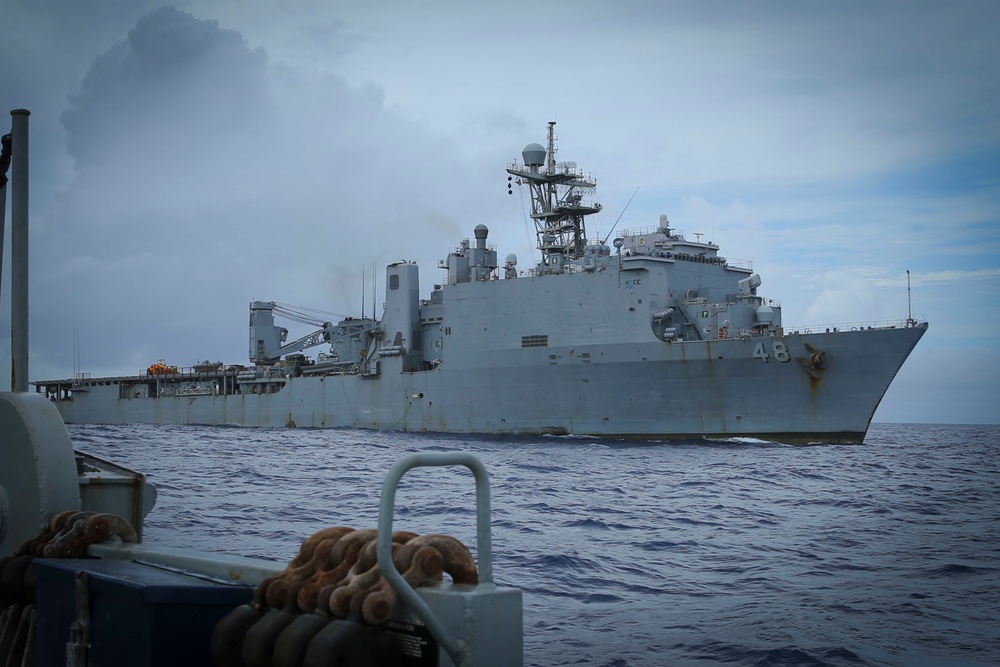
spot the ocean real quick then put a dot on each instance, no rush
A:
(686, 553)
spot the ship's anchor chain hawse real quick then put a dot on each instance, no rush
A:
(331, 601)
(816, 363)
(68, 535)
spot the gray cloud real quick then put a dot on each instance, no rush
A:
(175, 76)
(198, 188)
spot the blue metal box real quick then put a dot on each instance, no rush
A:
(139, 615)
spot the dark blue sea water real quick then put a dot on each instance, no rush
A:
(692, 553)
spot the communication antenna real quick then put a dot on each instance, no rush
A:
(909, 302)
(604, 242)
(362, 292)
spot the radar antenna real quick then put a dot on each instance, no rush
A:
(557, 192)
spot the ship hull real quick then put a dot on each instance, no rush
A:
(765, 387)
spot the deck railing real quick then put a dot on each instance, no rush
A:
(849, 326)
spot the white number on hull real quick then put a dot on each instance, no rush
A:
(778, 349)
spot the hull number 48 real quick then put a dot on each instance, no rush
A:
(778, 350)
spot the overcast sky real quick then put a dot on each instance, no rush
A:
(188, 159)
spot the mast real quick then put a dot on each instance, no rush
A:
(557, 206)
(910, 322)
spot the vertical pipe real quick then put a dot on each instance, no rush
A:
(19, 251)
(4, 167)
(3, 224)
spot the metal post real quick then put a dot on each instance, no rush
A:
(456, 647)
(3, 225)
(19, 251)
(4, 167)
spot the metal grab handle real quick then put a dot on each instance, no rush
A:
(455, 646)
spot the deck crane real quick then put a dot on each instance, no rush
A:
(267, 340)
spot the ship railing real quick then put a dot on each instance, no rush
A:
(182, 372)
(761, 332)
(566, 268)
(764, 301)
(848, 326)
(737, 263)
(263, 373)
(649, 231)
(462, 250)
(196, 391)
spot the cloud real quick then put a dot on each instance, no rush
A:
(198, 189)
(175, 78)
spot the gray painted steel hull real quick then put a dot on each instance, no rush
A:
(646, 391)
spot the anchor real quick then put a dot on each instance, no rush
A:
(815, 363)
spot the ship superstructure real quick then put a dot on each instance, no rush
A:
(653, 337)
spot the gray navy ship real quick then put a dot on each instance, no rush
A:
(654, 337)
